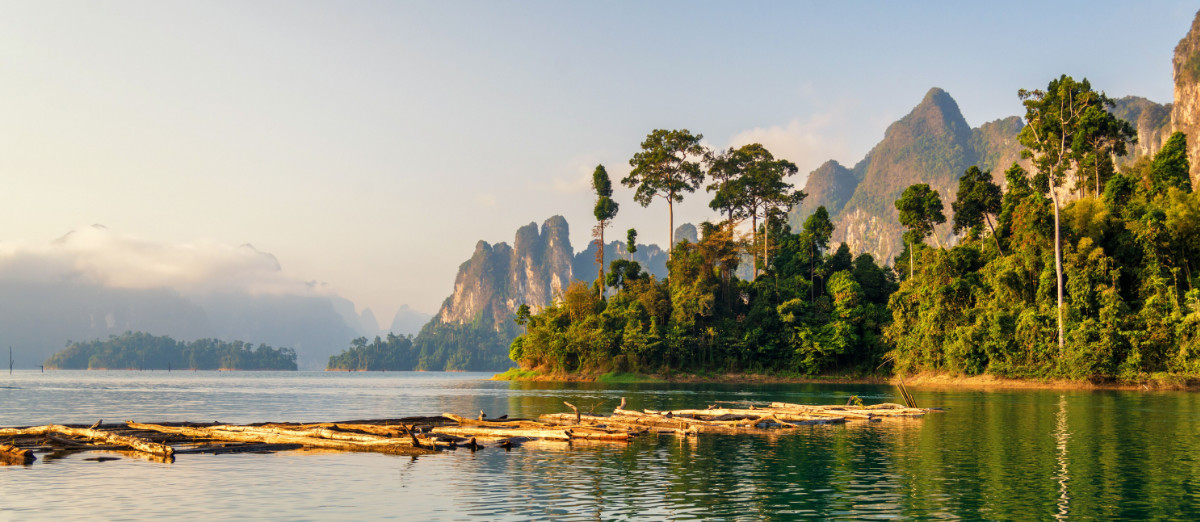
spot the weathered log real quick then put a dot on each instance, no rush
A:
(391, 446)
(597, 435)
(320, 433)
(463, 421)
(734, 415)
(239, 448)
(501, 433)
(15, 455)
(145, 446)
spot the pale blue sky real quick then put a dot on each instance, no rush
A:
(369, 145)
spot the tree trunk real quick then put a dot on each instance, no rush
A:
(993, 229)
(671, 233)
(911, 247)
(754, 241)
(145, 446)
(601, 254)
(1058, 270)
(766, 242)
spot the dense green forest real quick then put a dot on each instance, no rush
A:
(1075, 270)
(439, 347)
(810, 308)
(142, 351)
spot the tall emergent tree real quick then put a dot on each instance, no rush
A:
(765, 191)
(726, 169)
(631, 242)
(605, 211)
(817, 229)
(978, 198)
(920, 210)
(1062, 124)
(749, 182)
(668, 166)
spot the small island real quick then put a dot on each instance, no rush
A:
(142, 351)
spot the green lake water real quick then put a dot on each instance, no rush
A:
(989, 455)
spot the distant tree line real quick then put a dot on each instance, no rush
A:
(142, 351)
(474, 346)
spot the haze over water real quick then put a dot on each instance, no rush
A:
(1008, 454)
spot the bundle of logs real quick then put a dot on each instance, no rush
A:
(423, 435)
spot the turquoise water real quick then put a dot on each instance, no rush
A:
(990, 455)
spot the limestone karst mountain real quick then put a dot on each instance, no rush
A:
(1185, 113)
(932, 144)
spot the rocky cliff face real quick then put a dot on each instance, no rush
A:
(498, 279)
(933, 144)
(652, 259)
(831, 185)
(1152, 121)
(1185, 115)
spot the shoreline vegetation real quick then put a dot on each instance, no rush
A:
(930, 381)
(1075, 272)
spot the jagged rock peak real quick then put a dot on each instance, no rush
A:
(937, 112)
(1187, 55)
(498, 279)
(1185, 115)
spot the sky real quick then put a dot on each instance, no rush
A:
(368, 146)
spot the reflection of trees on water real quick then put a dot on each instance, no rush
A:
(1002, 455)
(1061, 435)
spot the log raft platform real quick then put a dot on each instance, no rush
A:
(428, 435)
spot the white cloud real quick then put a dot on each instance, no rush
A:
(95, 255)
(806, 142)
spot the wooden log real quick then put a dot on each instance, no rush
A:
(501, 433)
(598, 435)
(391, 446)
(239, 448)
(145, 446)
(463, 421)
(15, 455)
(320, 433)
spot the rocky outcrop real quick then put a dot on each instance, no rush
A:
(1185, 115)
(686, 231)
(651, 258)
(1151, 120)
(932, 144)
(498, 278)
(831, 186)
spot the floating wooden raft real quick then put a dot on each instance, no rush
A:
(423, 435)
(750, 419)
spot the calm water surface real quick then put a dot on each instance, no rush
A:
(990, 455)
